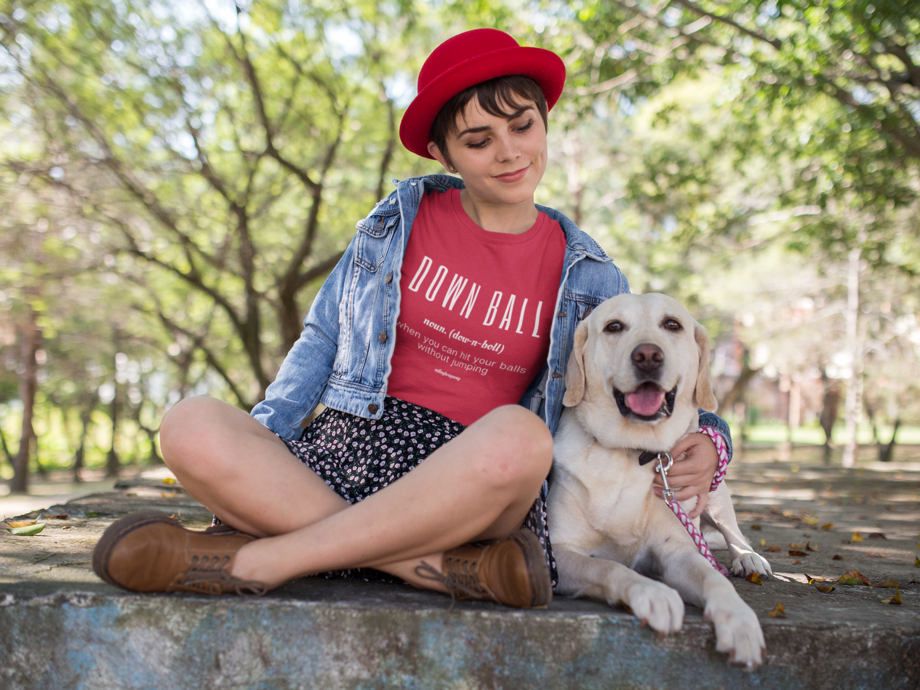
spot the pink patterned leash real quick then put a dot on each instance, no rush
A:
(685, 520)
(722, 449)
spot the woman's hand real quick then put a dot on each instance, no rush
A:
(693, 472)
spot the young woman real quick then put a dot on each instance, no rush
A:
(438, 346)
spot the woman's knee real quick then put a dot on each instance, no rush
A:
(518, 448)
(188, 430)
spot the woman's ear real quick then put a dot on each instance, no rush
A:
(440, 157)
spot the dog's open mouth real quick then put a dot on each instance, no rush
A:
(648, 402)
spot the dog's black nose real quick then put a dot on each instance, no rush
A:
(647, 358)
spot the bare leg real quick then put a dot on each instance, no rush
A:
(479, 485)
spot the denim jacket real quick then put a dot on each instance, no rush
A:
(342, 357)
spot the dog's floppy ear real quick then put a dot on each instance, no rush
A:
(575, 372)
(703, 392)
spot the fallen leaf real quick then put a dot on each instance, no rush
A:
(20, 523)
(876, 554)
(829, 525)
(887, 583)
(809, 547)
(624, 606)
(796, 562)
(778, 610)
(917, 561)
(169, 480)
(92, 513)
(62, 516)
(796, 552)
(856, 537)
(896, 599)
(854, 577)
(824, 589)
(754, 578)
(837, 557)
(66, 527)
(757, 527)
(28, 531)
(787, 513)
(812, 578)
(168, 494)
(773, 547)
(876, 535)
(763, 542)
(810, 521)
(795, 546)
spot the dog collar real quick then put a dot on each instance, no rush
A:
(646, 456)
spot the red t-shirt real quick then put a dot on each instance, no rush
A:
(476, 310)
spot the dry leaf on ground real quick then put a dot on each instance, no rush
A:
(754, 578)
(826, 527)
(813, 578)
(757, 527)
(824, 589)
(28, 530)
(854, 577)
(896, 599)
(837, 557)
(15, 524)
(778, 610)
(887, 583)
(856, 536)
(796, 552)
(809, 547)
(773, 547)
(876, 554)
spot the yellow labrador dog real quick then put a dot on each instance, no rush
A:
(638, 372)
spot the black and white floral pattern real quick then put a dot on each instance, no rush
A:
(357, 457)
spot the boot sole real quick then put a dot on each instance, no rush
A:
(119, 529)
(535, 558)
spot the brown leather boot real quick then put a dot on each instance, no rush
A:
(510, 571)
(151, 552)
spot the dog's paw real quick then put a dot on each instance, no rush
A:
(655, 604)
(747, 562)
(738, 633)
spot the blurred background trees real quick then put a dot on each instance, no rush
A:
(176, 180)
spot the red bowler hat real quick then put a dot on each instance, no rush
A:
(467, 59)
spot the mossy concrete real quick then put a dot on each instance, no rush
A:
(61, 627)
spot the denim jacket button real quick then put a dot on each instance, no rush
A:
(389, 278)
(372, 408)
(382, 337)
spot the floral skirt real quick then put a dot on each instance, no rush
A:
(357, 457)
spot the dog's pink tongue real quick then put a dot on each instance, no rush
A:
(645, 401)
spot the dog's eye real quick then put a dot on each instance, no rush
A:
(672, 325)
(613, 327)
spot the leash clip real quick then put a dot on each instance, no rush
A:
(662, 469)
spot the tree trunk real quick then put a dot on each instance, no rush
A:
(830, 407)
(853, 404)
(86, 415)
(886, 452)
(30, 338)
(111, 463)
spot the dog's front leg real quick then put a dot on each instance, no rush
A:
(738, 632)
(651, 602)
(720, 514)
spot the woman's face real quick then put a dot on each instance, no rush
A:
(500, 160)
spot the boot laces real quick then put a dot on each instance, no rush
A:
(461, 579)
(208, 574)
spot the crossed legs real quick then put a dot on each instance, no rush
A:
(479, 485)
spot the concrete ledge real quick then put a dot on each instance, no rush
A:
(61, 627)
(343, 634)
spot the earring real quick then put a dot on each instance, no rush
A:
(451, 170)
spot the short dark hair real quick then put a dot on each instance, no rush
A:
(495, 96)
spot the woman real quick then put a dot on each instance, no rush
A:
(442, 336)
